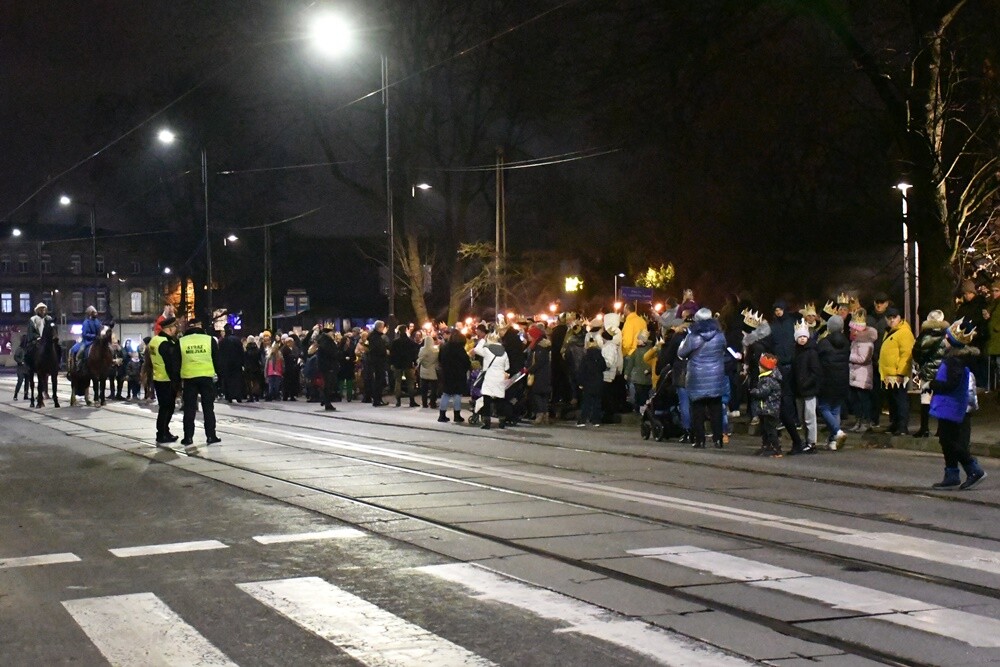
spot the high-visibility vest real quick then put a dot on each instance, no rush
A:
(196, 356)
(159, 368)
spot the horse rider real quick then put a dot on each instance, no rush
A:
(37, 325)
(91, 330)
(165, 357)
(199, 359)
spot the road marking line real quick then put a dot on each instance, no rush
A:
(176, 547)
(140, 630)
(969, 628)
(334, 534)
(583, 618)
(364, 631)
(939, 552)
(45, 559)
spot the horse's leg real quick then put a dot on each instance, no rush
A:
(55, 388)
(30, 381)
(42, 385)
(103, 385)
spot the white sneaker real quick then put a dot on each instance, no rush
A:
(839, 438)
(734, 414)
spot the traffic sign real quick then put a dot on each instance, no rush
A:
(636, 294)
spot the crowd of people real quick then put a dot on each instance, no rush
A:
(786, 370)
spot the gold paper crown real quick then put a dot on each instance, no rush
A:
(808, 309)
(957, 332)
(802, 328)
(752, 318)
(843, 298)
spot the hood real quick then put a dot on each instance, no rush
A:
(966, 353)
(758, 334)
(705, 328)
(838, 340)
(544, 342)
(930, 325)
(866, 335)
(496, 349)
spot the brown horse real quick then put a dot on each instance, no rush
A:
(43, 363)
(94, 371)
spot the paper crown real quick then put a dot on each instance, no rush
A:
(752, 318)
(957, 333)
(808, 309)
(843, 299)
(802, 329)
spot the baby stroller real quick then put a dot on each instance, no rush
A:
(661, 416)
(475, 397)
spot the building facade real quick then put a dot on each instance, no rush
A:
(123, 279)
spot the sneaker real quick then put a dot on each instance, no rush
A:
(840, 438)
(755, 421)
(187, 441)
(725, 438)
(973, 479)
(734, 414)
(580, 424)
(214, 440)
(832, 445)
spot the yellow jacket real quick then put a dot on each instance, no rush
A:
(650, 358)
(634, 324)
(896, 357)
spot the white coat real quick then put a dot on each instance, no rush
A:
(495, 365)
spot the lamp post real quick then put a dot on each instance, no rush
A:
(617, 276)
(65, 200)
(903, 187)
(167, 137)
(332, 35)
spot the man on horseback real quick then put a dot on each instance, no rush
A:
(36, 325)
(91, 330)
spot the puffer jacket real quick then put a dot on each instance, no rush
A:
(929, 349)
(705, 349)
(540, 365)
(767, 393)
(495, 365)
(862, 374)
(895, 359)
(807, 370)
(637, 369)
(835, 358)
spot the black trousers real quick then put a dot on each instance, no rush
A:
(166, 398)
(329, 387)
(712, 408)
(788, 416)
(199, 390)
(954, 438)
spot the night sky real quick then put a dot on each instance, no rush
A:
(737, 140)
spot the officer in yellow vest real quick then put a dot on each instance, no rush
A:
(199, 359)
(165, 358)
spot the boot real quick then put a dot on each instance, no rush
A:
(486, 423)
(542, 419)
(686, 438)
(414, 404)
(399, 402)
(925, 412)
(973, 474)
(442, 418)
(951, 479)
(456, 417)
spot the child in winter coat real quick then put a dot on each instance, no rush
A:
(132, 372)
(862, 371)
(807, 373)
(953, 402)
(768, 400)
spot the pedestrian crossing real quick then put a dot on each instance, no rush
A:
(971, 629)
(138, 630)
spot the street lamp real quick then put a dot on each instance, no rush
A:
(167, 137)
(419, 186)
(903, 187)
(332, 35)
(232, 238)
(15, 232)
(65, 200)
(617, 276)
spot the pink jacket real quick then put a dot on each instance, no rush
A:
(862, 352)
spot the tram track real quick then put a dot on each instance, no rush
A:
(687, 593)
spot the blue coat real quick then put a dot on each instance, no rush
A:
(91, 329)
(705, 349)
(951, 385)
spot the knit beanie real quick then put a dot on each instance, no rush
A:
(802, 329)
(835, 323)
(702, 315)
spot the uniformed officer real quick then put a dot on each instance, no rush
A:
(199, 359)
(165, 358)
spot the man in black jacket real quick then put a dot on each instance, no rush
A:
(403, 358)
(329, 366)
(378, 353)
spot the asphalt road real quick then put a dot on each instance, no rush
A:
(381, 537)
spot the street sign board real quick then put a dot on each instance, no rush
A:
(643, 294)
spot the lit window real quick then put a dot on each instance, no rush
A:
(135, 299)
(77, 302)
(25, 299)
(6, 302)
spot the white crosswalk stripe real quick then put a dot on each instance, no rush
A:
(174, 548)
(140, 630)
(45, 559)
(969, 628)
(585, 619)
(333, 534)
(364, 631)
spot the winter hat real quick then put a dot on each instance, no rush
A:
(968, 286)
(935, 316)
(642, 338)
(702, 315)
(957, 335)
(768, 361)
(596, 324)
(780, 303)
(535, 333)
(40, 306)
(612, 321)
(891, 312)
(835, 323)
(880, 297)
(802, 329)
(168, 322)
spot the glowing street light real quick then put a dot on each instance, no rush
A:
(166, 270)
(903, 188)
(165, 136)
(331, 34)
(15, 232)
